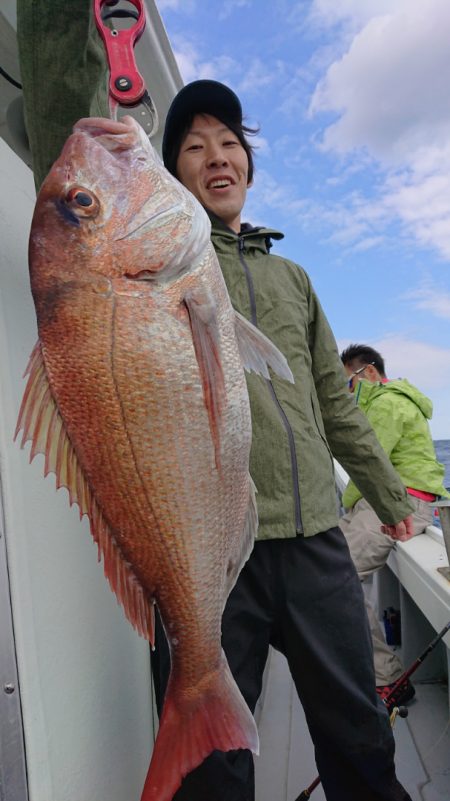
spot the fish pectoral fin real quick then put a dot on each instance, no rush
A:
(258, 352)
(41, 422)
(202, 312)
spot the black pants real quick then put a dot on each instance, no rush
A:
(302, 596)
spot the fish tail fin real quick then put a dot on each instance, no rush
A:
(213, 716)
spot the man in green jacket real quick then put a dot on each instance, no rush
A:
(299, 591)
(399, 414)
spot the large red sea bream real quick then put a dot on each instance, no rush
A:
(137, 397)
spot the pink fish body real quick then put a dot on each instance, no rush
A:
(137, 397)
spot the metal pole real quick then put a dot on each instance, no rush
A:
(444, 515)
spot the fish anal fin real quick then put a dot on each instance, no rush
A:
(202, 312)
(138, 607)
(194, 723)
(41, 422)
(246, 541)
(258, 352)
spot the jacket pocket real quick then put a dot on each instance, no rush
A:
(319, 425)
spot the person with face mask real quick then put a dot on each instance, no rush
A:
(399, 414)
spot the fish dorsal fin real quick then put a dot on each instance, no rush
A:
(42, 423)
(202, 311)
(258, 352)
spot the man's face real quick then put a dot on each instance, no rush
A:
(357, 372)
(213, 165)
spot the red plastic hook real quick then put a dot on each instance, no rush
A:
(126, 84)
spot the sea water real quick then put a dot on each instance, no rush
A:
(442, 447)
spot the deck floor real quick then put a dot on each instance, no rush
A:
(423, 744)
(286, 765)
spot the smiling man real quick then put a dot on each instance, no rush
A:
(299, 591)
(213, 165)
(208, 150)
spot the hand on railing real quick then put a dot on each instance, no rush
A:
(402, 531)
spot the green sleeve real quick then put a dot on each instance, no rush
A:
(63, 72)
(348, 431)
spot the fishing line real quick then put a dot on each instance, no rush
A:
(11, 80)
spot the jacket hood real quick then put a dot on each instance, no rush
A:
(366, 392)
(258, 237)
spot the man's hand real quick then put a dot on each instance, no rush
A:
(402, 531)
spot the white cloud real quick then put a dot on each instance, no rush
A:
(420, 198)
(390, 97)
(262, 146)
(390, 87)
(359, 223)
(247, 78)
(368, 243)
(257, 75)
(268, 193)
(354, 222)
(417, 199)
(229, 6)
(419, 204)
(328, 13)
(193, 65)
(187, 58)
(432, 300)
(423, 364)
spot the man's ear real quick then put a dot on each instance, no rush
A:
(371, 373)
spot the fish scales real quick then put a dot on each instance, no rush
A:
(145, 465)
(139, 363)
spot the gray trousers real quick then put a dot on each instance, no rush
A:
(370, 549)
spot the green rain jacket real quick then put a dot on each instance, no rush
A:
(399, 414)
(298, 428)
(295, 428)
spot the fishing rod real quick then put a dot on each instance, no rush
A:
(389, 701)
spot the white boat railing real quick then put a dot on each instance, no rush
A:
(414, 583)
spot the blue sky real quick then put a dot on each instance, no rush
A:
(353, 159)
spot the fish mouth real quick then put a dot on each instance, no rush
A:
(149, 221)
(144, 275)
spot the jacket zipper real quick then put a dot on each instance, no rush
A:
(282, 413)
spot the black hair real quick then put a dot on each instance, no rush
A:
(358, 355)
(239, 130)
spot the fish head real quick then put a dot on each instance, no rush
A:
(109, 211)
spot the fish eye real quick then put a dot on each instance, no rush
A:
(82, 202)
(83, 199)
